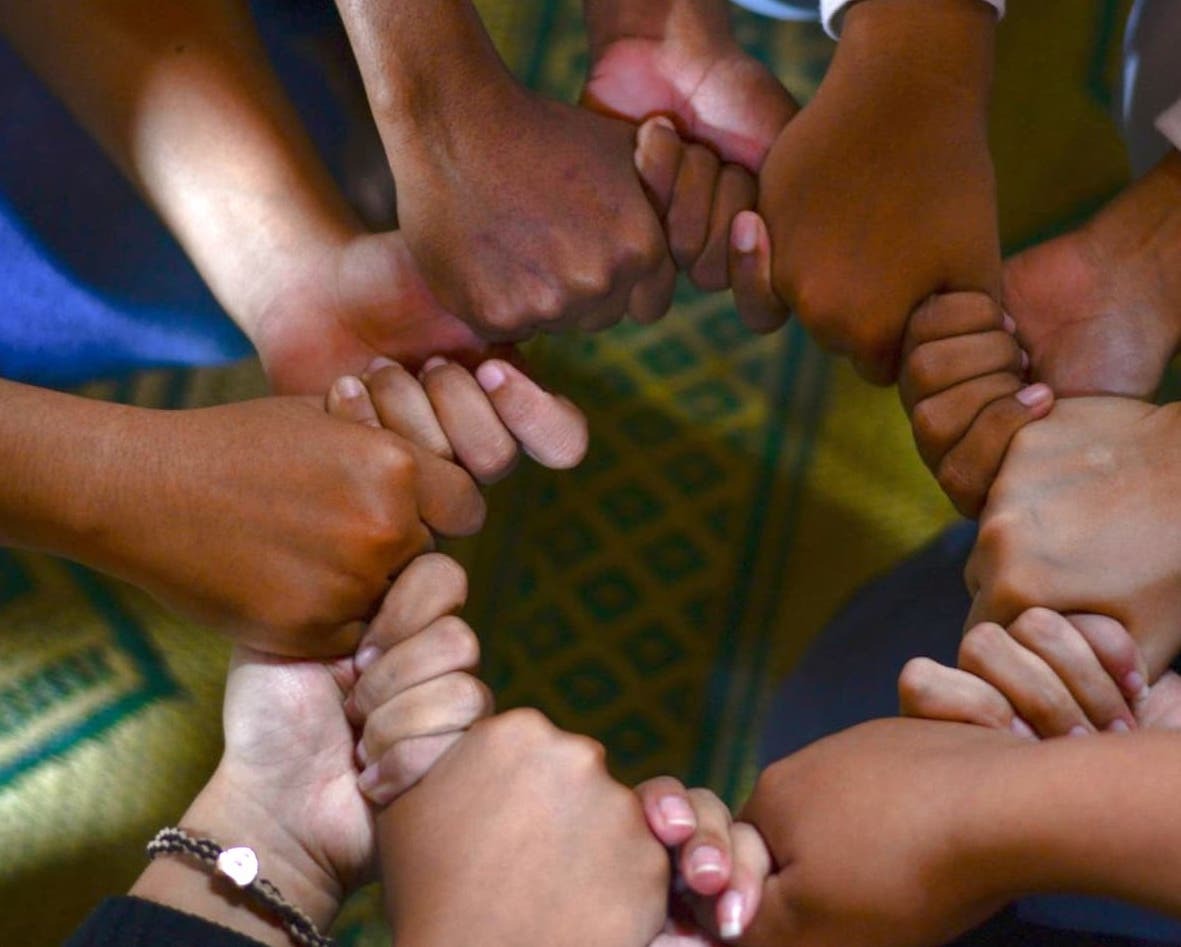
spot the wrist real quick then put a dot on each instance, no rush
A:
(696, 26)
(945, 48)
(226, 812)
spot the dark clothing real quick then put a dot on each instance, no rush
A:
(132, 922)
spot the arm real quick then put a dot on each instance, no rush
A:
(973, 819)
(562, 235)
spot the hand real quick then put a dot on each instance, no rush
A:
(286, 787)
(707, 209)
(519, 833)
(721, 865)
(1080, 520)
(417, 693)
(881, 192)
(679, 59)
(481, 418)
(1047, 675)
(561, 235)
(276, 523)
(1098, 309)
(962, 385)
(869, 835)
(335, 308)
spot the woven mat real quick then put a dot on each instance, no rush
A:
(737, 491)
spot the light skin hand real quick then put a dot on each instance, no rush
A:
(721, 864)
(861, 233)
(1098, 308)
(963, 387)
(485, 840)
(1080, 519)
(286, 787)
(418, 692)
(678, 58)
(483, 418)
(1047, 675)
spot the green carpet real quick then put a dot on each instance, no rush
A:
(738, 489)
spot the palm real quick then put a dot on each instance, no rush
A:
(727, 100)
(351, 305)
(287, 736)
(1089, 327)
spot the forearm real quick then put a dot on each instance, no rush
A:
(182, 98)
(232, 819)
(1094, 815)
(680, 21)
(64, 464)
(429, 66)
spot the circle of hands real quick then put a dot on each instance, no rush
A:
(691, 156)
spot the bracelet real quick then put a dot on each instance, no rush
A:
(240, 866)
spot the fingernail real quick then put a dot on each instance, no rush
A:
(349, 387)
(432, 363)
(705, 860)
(490, 375)
(677, 812)
(664, 122)
(378, 364)
(366, 656)
(1078, 731)
(746, 236)
(1134, 684)
(1024, 361)
(1119, 726)
(1034, 395)
(367, 781)
(1022, 729)
(731, 907)
(1009, 323)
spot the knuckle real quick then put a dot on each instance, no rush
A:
(447, 575)
(961, 482)
(456, 643)
(494, 459)
(522, 726)
(466, 695)
(930, 425)
(1039, 628)
(407, 761)
(979, 644)
(914, 682)
(923, 368)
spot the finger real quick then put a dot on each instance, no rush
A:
(750, 274)
(449, 502)
(668, 810)
(550, 429)
(1029, 684)
(933, 691)
(651, 297)
(945, 315)
(705, 858)
(1118, 652)
(941, 421)
(349, 400)
(967, 471)
(441, 705)
(443, 647)
(404, 408)
(431, 586)
(688, 217)
(403, 765)
(658, 160)
(737, 907)
(936, 366)
(481, 442)
(1058, 642)
(736, 191)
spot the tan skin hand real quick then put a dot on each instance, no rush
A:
(519, 833)
(283, 525)
(881, 191)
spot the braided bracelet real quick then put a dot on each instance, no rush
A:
(240, 865)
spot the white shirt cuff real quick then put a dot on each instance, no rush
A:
(830, 11)
(1168, 123)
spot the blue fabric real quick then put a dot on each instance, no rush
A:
(92, 283)
(850, 673)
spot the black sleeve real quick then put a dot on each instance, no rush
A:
(133, 922)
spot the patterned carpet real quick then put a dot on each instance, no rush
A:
(737, 491)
